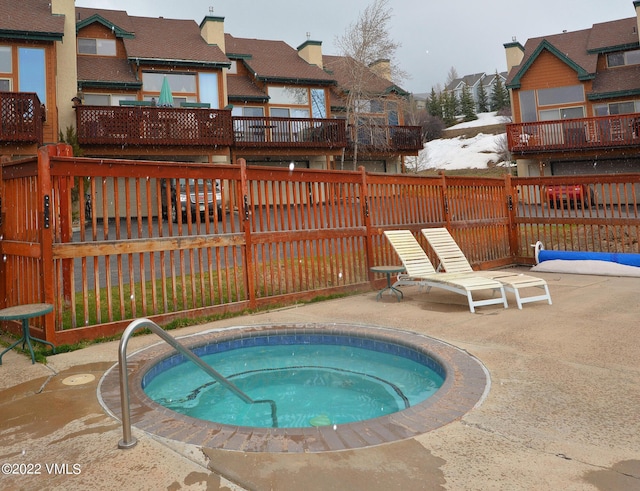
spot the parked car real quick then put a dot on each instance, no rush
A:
(196, 194)
(569, 195)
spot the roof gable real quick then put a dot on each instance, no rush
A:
(566, 56)
(96, 18)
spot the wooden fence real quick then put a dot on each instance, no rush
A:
(97, 238)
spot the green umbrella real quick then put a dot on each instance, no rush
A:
(166, 98)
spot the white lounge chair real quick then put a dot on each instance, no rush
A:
(453, 260)
(420, 271)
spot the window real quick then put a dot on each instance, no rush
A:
(318, 104)
(369, 106)
(288, 95)
(621, 58)
(180, 83)
(97, 99)
(284, 112)
(622, 108)
(528, 105)
(116, 98)
(250, 111)
(5, 85)
(563, 113)
(560, 95)
(362, 106)
(5, 59)
(208, 84)
(31, 72)
(626, 107)
(376, 106)
(392, 114)
(107, 99)
(102, 47)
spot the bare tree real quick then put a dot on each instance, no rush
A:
(365, 43)
(451, 76)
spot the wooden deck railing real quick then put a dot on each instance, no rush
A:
(574, 134)
(265, 132)
(21, 117)
(96, 238)
(382, 138)
(145, 125)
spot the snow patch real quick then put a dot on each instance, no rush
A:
(464, 153)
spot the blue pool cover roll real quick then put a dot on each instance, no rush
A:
(614, 257)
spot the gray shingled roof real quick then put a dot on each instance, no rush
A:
(469, 80)
(30, 19)
(274, 61)
(242, 88)
(159, 40)
(619, 33)
(104, 70)
(338, 67)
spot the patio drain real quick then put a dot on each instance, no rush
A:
(80, 379)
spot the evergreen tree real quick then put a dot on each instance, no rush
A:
(434, 104)
(467, 104)
(449, 108)
(499, 95)
(483, 102)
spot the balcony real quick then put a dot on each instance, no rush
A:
(21, 118)
(382, 138)
(265, 132)
(602, 132)
(165, 126)
(156, 126)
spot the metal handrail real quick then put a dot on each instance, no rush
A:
(128, 440)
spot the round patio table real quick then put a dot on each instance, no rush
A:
(24, 313)
(389, 270)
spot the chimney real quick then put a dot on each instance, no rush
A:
(382, 68)
(636, 5)
(311, 52)
(514, 52)
(212, 31)
(67, 64)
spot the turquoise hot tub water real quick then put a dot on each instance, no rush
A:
(315, 381)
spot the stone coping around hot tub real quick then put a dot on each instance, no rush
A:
(465, 386)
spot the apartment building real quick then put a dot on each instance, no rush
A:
(473, 83)
(575, 99)
(169, 89)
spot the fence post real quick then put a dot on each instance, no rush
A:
(245, 220)
(3, 267)
(45, 210)
(512, 202)
(445, 201)
(364, 209)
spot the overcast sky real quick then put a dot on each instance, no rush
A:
(434, 35)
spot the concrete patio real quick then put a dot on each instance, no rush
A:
(562, 412)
